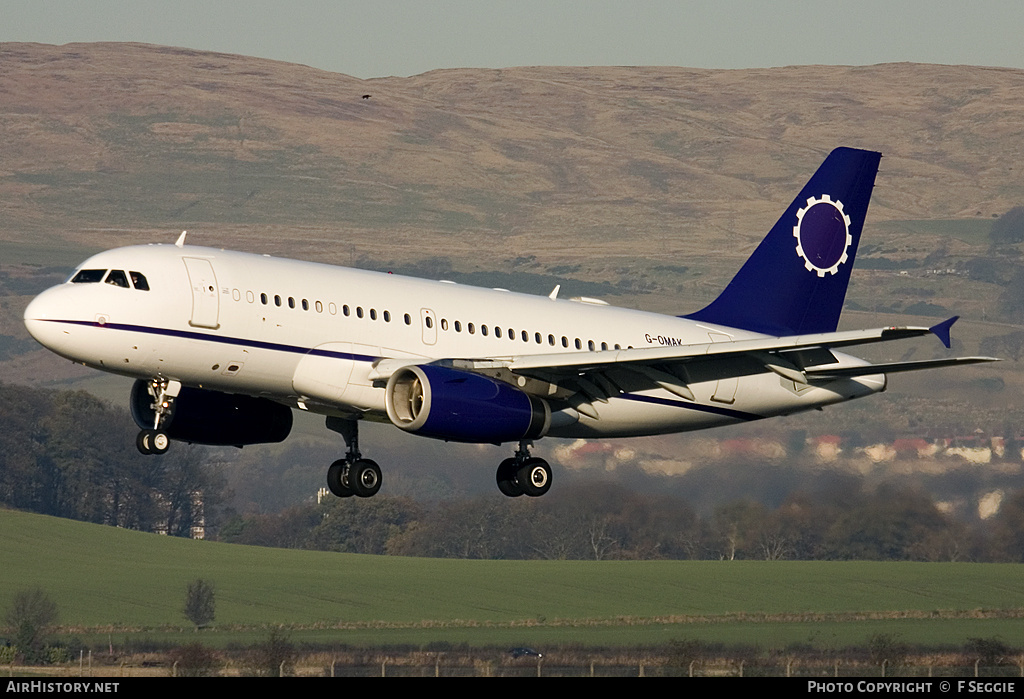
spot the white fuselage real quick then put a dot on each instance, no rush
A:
(309, 336)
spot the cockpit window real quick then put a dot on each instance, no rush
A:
(88, 276)
(139, 281)
(117, 278)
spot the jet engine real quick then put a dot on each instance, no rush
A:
(460, 406)
(211, 417)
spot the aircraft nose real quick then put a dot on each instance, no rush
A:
(38, 316)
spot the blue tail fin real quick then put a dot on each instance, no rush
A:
(795, 282)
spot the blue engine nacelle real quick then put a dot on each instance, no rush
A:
(460, 406)
(211, 417)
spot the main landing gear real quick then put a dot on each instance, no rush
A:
(521, 475)
(155, 440)
(352, 475)
(524, 474)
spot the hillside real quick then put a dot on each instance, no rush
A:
(112, 143)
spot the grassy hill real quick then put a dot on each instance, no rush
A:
(111, 580)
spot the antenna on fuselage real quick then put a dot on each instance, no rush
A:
(554, 294)
(180, 242)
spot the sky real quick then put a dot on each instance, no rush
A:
(406, 37)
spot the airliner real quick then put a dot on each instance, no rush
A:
(224, 345)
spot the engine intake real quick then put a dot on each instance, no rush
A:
(461, 406)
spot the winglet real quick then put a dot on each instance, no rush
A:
(180, 242)
(554, 294)
(941, 330)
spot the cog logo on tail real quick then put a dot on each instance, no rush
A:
(822, 233)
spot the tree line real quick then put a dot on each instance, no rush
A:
(603, 522)
(69, 454)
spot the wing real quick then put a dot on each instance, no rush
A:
(583, 378)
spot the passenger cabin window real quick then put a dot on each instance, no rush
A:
(117, 278)
(88, 276)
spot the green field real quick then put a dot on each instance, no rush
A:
(107, 580)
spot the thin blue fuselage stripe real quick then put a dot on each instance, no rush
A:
(295, 349)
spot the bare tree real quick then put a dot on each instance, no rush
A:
(774, 546)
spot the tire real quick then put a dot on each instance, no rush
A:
(159, 442)
(142, 442)
(534, 477)
(364, 478)
(506, 477)
(337, 481)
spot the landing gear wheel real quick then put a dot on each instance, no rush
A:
(534, 477)
(337, 479)
(364, 478)
(159, 441)
(142, 442)
(506, 477)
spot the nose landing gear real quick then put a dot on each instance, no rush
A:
(155, 440)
